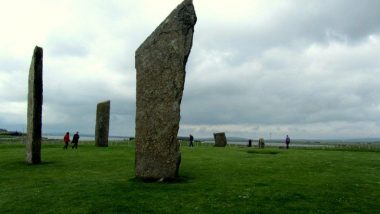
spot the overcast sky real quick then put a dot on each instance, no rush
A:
(309, 69)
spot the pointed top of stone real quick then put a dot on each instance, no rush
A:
(107, 101)
(37, 48)
(38, 51)
(182, 18)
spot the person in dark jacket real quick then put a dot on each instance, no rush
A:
(75, 140)
(287, 141)
(66, 140)
(191, 139)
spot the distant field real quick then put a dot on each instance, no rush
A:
(213, 180)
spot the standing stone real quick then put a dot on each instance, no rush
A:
(160, 65)
(220, 139)
(34, 120)
(102, 123)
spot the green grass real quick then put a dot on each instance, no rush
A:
(213, 180)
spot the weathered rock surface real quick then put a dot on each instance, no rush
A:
(34, 114)
(160, 64)
(102, 123)
(220, 139)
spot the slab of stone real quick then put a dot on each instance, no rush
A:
(34, 113)
(220, 139)
(102, 123)
(160, 65)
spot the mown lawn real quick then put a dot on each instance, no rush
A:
(213, 180)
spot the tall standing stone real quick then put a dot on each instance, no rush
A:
(220, 139)
(102, 123)
(34, 117)
(160, 65)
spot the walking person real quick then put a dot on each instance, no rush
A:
(66, 140)
(249, 143)
(75, 140)
(191, 138)
(287, 141)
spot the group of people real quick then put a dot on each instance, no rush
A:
(66, 140)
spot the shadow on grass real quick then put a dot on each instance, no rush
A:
(264, 152)
(180, 179)
(261, 185)
(38, 164)
(22, 165)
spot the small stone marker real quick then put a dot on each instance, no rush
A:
(34, 114)
(102, 123)
(160, 73)
(220, 139)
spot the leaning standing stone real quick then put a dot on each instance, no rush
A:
(102, 123)
(160, 64)
(220, 139)
(34, 114)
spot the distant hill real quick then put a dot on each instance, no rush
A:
(11, 133)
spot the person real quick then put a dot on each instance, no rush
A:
(75, 140)
(287, 141)
(66, 140)
(249, 143)
(261, 143)
(191, 140)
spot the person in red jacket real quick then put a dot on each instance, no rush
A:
(66, 140)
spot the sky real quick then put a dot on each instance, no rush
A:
(257, 68)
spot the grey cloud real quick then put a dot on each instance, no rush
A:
(281, 91)
(10, 64)
(295, 26)
(67, 47)
(306, 67)
(67, 114)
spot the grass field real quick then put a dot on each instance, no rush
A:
(213, 180)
